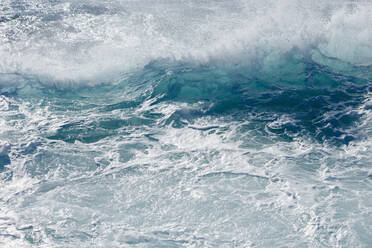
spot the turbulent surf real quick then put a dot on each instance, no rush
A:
(131, 123)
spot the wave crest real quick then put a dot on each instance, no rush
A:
(94, 41)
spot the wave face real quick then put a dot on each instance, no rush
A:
(185, 123)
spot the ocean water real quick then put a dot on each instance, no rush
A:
(164, 123)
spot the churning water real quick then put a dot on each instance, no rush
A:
(133, 123)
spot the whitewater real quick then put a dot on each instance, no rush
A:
(185, 123)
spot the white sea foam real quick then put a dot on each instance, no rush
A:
(183, 185)
(218, 180)
(93, 41)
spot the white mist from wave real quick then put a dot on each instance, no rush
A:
(95, 41)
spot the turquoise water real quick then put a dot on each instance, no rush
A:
(185, 124)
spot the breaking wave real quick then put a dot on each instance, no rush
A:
(185, 123)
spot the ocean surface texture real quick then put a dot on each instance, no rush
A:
(185, 123)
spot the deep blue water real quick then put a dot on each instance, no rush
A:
(185, 124)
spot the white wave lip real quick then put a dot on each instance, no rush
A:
(92, 41)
